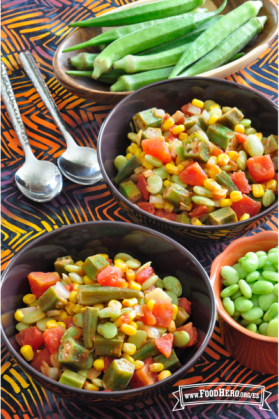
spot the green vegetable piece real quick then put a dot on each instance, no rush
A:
(159, 284)
(77, 319)
(83, 60)
(222, 216)
(268, 198)
(230, 275)
(250, 262)
(93, 265)
(273, 258)
(270, 144)
(245, 288)
(72, 332)
(60, 263)
(33, 316)
(182, 218)
(231, 118)
(21, 326)
(271, 312)
(161, 171)
(263, 328)
(265, 301)
(172, 295)
(252, 314)
(243, 304)
(223, 179)
(246, 323)
(108, 330)
(196, 147)
(73, 354)
(49, 299)
(138, 339)
(173, 284)
(151, 132)
(181, 317)
(72, 379)
(175, 195)
(89, 295)
(252, 327)
(171, 364)
(146, 351)
(108, 347)
(208, 104)
(229, 291)
(130, 191)
(220, 135)
(128, 169)
(149, 282)
(109, 78)
(145, 119)
(270, 275)
(262, 287)
(255, 300)
(118, 374)
(130, 82)
(89, 323)
(236, 295)
(241, 272)
(253, 276)
(272, 328)
(181, 338)
(119, 162)
(229, 306)
(190, 122)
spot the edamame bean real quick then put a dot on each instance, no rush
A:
(253, 276)
(260, 253)
(172, 284)
(246, 122)
(200, 200)
(153, 160)
(77, 320)
(265, 301)
(236, 295)
(161, 172)
(242, 304)
(250, 262)
(241, 272)
(159, 284)
(252, 327)
(254, 146)
(271, 312)
(272, 276)
(262, 287)
(107, 330)
(268, 198)
(200, 190)
(273, 250)
(149, 282)
(229, 291)
(250, 131)
(154, 184)
(246, 323)
(228, 306)
(241, 260)
(230, 275)
(253, 314)
(176, 179)
(263, 328)
(245, 288)
(119, 162)
(123, 256)
(272, 328)
(269, 267)
(262, 261)
(275, 289)
(174, 299)
(255, 300)
(133, 263)
(180, 338)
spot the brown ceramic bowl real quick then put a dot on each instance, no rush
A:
(258, 352)
(99, 92)
(168, 258)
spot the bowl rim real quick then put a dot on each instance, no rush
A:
(178, 246)
(214, 278)
(154, 217)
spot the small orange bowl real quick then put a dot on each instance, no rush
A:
(254, 351)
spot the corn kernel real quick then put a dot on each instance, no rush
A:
(271, 185)
(129, 302)
(133, 324)
(233, 155)
(78, 308)
(79, 263)
(239, 128)
(147, 165)
(142, 155)
(120, 264)
(134, 286)
(99, 364)
(215, 106)
(170, 168)
(138, 152)
(211, 162)
(178, 129)
(175, 310)
(168, 207)
(211, 185)
(182, 136)
(159, 206)
(27, 352)
(259, 135)
(128, 156)
(118, 322)
(171, 327)
(132, 148)
(115, 303)
(138, 365)
(51, 324)
(29, 298)
(164, 374)
(105, 256)
(125, 285)
(73, 297)
(18, 315)
(127, 329)
(166, 183)
(225, 203)
(129, 348)
(62, 324)
(235, 196)
(214, 118)
(87, 280)
(130, 275)
(244, 217)
(258, 190)
(198, 103)
(213, 171)
(180, 167)
(156, 367)
(168, 123)
(128, 357)
(219, 194)
(75, 287)
(195, 222)
(90, 386)
(69, 308)
(63, 315)
(150, 304)
(223, 159)
(100, 306)
(97, 382)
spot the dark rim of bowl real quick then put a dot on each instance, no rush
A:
(188, 365)
(154, 217)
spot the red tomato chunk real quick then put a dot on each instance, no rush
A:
(41, 281)
(246, 206)
(111, 276)
(261, 168)
(39, 357)
(157, 148)
(30, 336)
(241, 182)
(52, 339)
(192, 332)
(142, 184)
(144, 274)
(193, 175)
(144, 377)
(191, 110)
(147, 206)
(164, 344)
(163, 311)
(148, 317)
(186, 304)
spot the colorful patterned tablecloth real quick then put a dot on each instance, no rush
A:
(39, 26)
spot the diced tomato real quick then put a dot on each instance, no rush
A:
(170, 216)
(157, 149)
(246, 206)
(186, 304)
(52, 338)
(192, 332)
(39, 357)
(164, 344)
(142, 184)
(198, 211)
(170, 137)
(107, 361)
(163, 311)
(41, 281)
(241, 182)
(147, 317)
(144, 377)
(126, 318)
(215, 149)
(160, 213)
(190, 109)
(261, 168)
(144, 274)
(111, 276)
(30, 336)
(193, 175)
(69, 287)
(146, 206)
(241, 137)
(109, 261)
(69, 322)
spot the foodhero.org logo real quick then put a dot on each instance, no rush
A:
(230, 393)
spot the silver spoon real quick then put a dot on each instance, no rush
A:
(79, 164)
(40, 181)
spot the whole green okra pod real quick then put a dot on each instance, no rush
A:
(96, 295)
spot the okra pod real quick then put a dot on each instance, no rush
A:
(72, 332)
(93, 265)
(108, 347)
(222, 216)
(109, 78)
(82, 61)
(72, 379)
(172, 363)
(148, 38)
(96, 295)
(118, 374)
(149, 349)
(89, 323)
(49, 299)
(228, 48)
(223, 179)
(213, 36)
(128, 83)
(71, 353)
(220, 135)
(128, 169)
(60, 263)
(141, 13)
(181, 317)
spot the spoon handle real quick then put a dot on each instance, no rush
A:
(33, 72)
(12, 109)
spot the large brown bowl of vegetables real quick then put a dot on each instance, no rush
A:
(106, 312)
(197, 160)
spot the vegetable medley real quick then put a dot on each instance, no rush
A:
(203, 165)
(104, 325)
